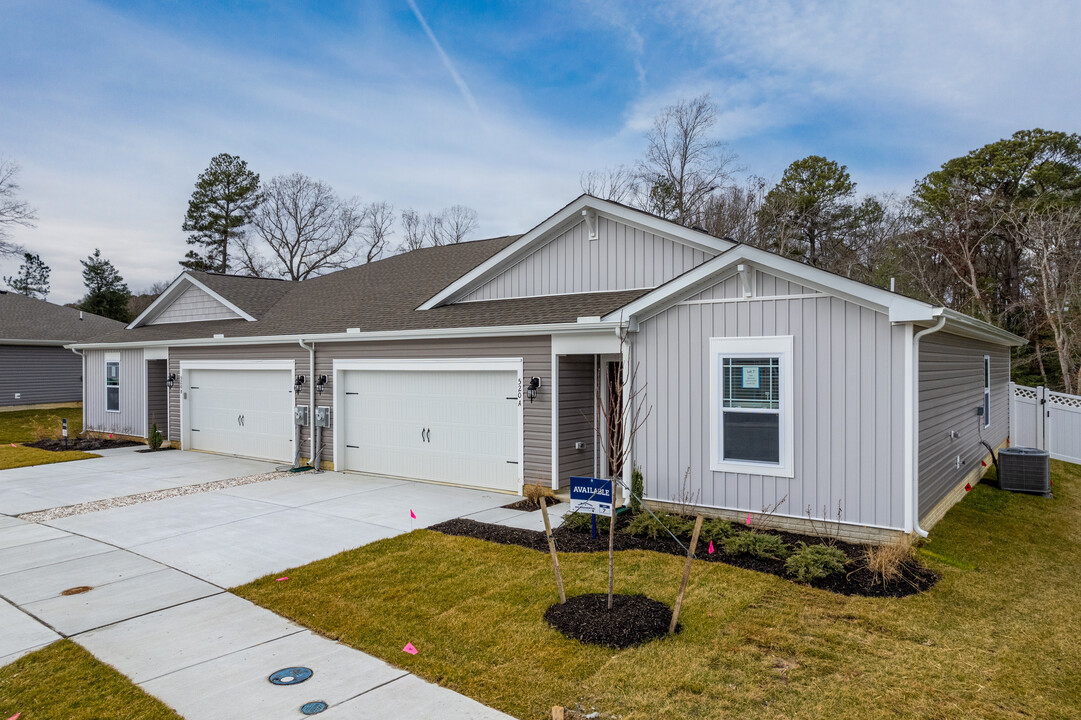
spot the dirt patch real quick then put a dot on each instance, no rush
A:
(161, 449)
(530, 506)
(857, 581)
(633, 619)
(79, 590)
(83, 444)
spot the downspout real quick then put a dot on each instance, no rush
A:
(82, 357)
(914, 429)
(311, 401)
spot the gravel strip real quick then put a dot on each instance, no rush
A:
(109, 503)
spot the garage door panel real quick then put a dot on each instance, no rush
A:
(458, 426)
(241, 412)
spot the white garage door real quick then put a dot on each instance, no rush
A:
(453, 426)
(241, 412)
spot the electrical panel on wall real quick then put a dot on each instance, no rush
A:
(322, 416)
(300, 415)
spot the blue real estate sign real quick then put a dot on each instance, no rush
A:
(591, 495)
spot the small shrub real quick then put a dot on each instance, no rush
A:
(814, 562)
(536, 493)
(582, 522)
(756, 544)
(645, 525)
(887, 563)
(638, 486)
(716, 530)
(155, 440)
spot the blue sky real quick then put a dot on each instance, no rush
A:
(112, 109)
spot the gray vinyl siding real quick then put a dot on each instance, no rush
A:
(131, 420)
(39, 374)
(951, 388)
(622, 258)
(576, 408)
(157, 396)
(534, 351)
(193, 304)
(847, 414)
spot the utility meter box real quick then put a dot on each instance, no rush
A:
(300, 415)
(322, 416)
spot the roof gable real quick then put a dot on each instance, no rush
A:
(189, 299)
(588, 216)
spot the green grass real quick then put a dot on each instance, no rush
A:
(65, 682)
(997, 637)
(20, 426)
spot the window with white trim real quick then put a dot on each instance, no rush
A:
(987, 391)
(751, 405)
(112, 387)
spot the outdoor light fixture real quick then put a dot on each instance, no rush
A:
(171, 380)
(320, 383)
(298, 383)
(531, 391)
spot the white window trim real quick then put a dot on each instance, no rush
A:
(109, 362)
(987, 391)
(779, 346)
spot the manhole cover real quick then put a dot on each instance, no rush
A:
(77, 590)
(290, 676)
(313, 708)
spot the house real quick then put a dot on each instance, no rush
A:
(769, 385)
(35, 367)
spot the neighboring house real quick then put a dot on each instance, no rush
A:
(35, 367)
(770, 384)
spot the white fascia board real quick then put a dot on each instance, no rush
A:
(494, 331)
(174, 291)
(39, 343)
(968, 326)
(569, 216)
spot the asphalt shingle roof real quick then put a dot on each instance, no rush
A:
(379, 296)
(26, 318)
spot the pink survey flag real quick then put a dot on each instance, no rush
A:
(281, 578)
(15, 716)
(748, 518)
(13, 445)
(409, 649)
(412, 515)
(710, 547)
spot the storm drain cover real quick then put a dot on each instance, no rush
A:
(291, 676)
(313, 708)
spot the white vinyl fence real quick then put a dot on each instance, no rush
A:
(1046, 419)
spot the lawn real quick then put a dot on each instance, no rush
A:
(997, 637)
(19, 426)
(64, 682)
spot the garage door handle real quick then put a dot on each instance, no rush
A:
(429, 431)
(355, 447)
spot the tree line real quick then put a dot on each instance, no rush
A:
(995, 233)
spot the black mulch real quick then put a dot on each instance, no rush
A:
(633, 619)
(857, 581)
(530, 506)
(83, 444)
(161, 449)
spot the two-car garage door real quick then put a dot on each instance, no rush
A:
(455, 425)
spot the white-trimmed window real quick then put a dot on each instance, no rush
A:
(112, 386)
(751, 405)
(987, 391)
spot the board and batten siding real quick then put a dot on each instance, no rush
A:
(157, 396)
(193, 304)
(39, 375)
(951, 388)
(131, 420)
(534, 351)
(576, 410)
(847, 414)
(621, 258)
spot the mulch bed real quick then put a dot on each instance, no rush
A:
(530, 506)
(83, 444)
(161, 449)
(633, 619)
(858, 581)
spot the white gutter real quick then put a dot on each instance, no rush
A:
(82, 357)
(425, 334)
(912, 424)
(311, 400)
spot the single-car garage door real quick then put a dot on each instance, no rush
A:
(456, 426)
(241, 412)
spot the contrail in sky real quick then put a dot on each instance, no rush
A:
(446, 59)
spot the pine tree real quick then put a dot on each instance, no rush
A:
(106, 292)
(225, 197)
(33, 278)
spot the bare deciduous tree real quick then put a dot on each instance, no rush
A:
(615, 184)
(455, 224)
(451, 226)
(412, 230)
(13, 211)
(305, 228)
(376, 229)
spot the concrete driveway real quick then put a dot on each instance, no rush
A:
(159, 611)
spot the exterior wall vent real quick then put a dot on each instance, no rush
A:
(218, 336)
(353, 330)
(1023, 469)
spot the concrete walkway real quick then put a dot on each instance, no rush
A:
(159, 612)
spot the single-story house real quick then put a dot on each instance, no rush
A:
(771, 387)
(35, 367)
